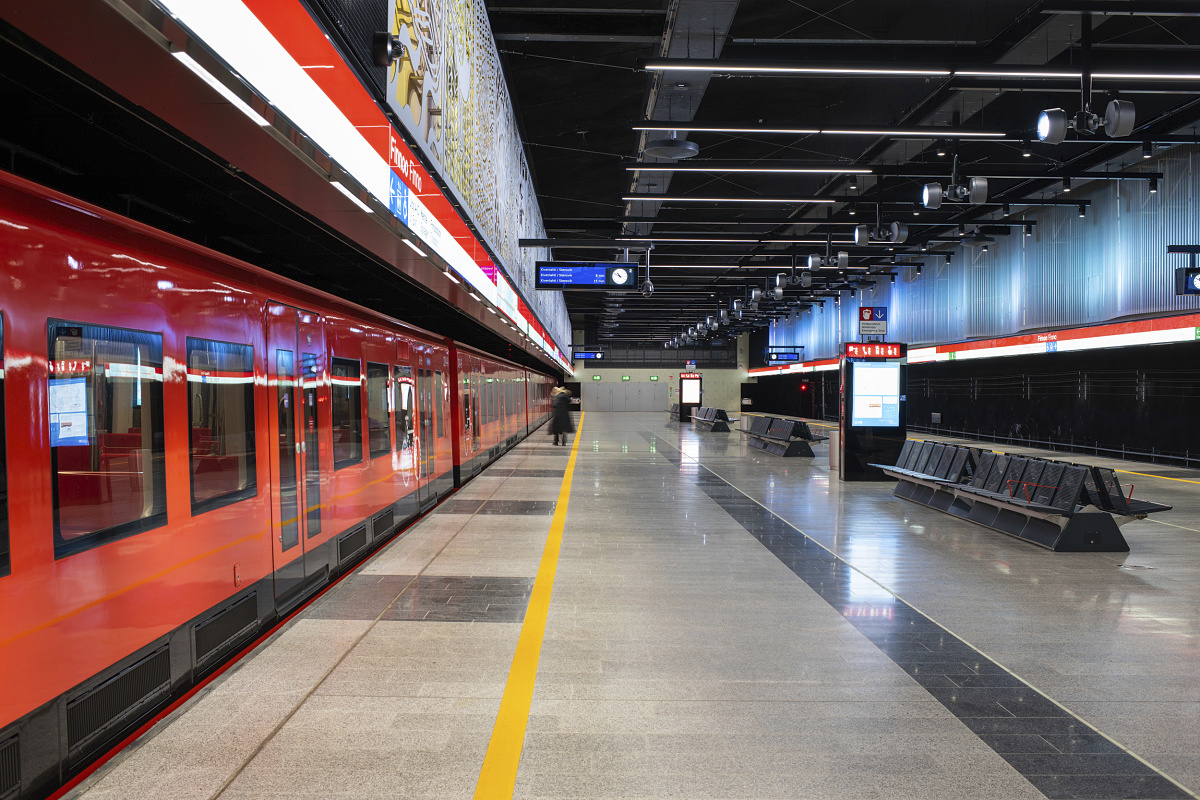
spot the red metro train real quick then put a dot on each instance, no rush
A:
(190, 447)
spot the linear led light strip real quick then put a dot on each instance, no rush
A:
(680, 199)
(1170, 336)
(981, 72)
(924, 133)
(704, 168)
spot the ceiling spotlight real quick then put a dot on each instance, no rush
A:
(1052, 125)
(1082, 212)
(840, 261)
(1118, 121)
(1147, 150)
(1025, 151)
(1154, 186)
(854, 183)
(1066, 184)
(985, 248)
(941, 147)
(1029, 230)
(780, 281)
(974, 191)
(852, 211)
(896, 233)
(671, 147)
(893, 280)
(805, 280)
(916, 211)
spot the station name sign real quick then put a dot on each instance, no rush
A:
(581, 276)
(875, 350)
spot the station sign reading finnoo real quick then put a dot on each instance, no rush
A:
(581, 276)
(587, 354)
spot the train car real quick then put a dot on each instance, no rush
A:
(189, 448)
(497, 405)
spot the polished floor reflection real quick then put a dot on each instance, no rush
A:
(724, 624)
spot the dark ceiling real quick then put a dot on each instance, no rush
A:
(580, 81)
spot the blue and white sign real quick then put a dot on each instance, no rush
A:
(398, 198)
(68, 412)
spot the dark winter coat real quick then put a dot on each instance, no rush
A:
(561, 421)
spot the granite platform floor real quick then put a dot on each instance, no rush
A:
(724, 624)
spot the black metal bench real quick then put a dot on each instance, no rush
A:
(1058, 505)
(674, 411)
(711, 419)
(781, 437)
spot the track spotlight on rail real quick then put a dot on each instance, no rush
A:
(1153, 185)
(1147, 150)
(1118, 121)
(896, 233)
(1082, 212)
(974, 191)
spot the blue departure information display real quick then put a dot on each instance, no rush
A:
(586, 276)
(594, 354)
(784, 356)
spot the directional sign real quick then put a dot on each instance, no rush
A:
(872, 321)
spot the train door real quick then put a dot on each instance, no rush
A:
(294, 345)
(426, 447)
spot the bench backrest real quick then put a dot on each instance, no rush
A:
(958, 465)
(1031, 479)
(781, 429)
(1051, 477)
(761, 425)
(996, 479)
(905, 452)
(943, 465)
(935, 455)
(1012, 476)
(985, 467)
(1111, 489)
(913, 455)
(923, 457)
(1070, 487)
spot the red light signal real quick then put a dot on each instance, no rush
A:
(804, 386)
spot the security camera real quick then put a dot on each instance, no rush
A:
(647, 288)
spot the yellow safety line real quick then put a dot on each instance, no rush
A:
(498, 776)
(1160, 477)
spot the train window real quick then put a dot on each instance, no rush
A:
(105, 396)
(377, 409)
(5, 563)
(221, 418)
(402, 393)
(437, 402)
(347, 413)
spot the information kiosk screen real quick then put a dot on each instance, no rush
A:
(876, 400)
(690, 390)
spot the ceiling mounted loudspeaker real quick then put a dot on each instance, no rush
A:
(671, 147)
(897, 233)
(1119, 119)
(931, 195)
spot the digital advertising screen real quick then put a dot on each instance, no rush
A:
(689, 390)
(876, 399)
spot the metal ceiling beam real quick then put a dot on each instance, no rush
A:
(1124, 8)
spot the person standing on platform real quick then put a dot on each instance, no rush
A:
(560, 423)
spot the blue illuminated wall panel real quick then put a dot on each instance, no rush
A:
(1110, 265)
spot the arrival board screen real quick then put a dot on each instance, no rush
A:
(567, 275)
(876, 400)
